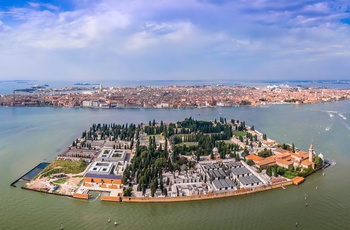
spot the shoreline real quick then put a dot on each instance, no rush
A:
(176, 108)
(210, 196)
(175, 97)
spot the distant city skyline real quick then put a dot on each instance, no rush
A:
(174, 40)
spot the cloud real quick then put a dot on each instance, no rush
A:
(153, 34)
(156, 39)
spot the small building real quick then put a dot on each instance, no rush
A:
(254, 158)
(298, 180)
(277, 180)
(265, 162)
(223, 184)
(240, 172)
(215, 154)
(280, 151)
(112, 155)
(284, 163)
(217, 174)
(307, 164)
(249, 181)
(299, 156)
(103, 173)
(231, 165)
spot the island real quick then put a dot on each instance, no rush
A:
(174, 161)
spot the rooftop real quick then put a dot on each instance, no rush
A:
(240, 171)
(247, 180)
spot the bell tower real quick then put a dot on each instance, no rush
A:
(311, 153)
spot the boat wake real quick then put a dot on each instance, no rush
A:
(342, 116)
(332, 163)
(348, 127)
(330, 114)
(328, 127)
(99, 194)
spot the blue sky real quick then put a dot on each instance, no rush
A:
(182, 39)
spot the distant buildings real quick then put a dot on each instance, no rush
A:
(172, 96)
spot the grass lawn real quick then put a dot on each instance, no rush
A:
(239, 133)
(158, 137)
(59, 166)
(290, 174)
(227, 141)
(61, 181)
(188, 144)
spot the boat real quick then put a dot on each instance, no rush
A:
(305, 196)
(342, 116)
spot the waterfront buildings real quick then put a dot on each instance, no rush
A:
(172, 96)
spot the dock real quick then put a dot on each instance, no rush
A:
(31, 173)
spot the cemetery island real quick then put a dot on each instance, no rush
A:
(173, 161)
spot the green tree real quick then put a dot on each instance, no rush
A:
(264, 137)
(275, 170)
(245, 152)
(128, 192)
(318, 161)
(269, 171)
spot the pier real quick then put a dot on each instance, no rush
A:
(32, 173)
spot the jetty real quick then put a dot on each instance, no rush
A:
(31, 173)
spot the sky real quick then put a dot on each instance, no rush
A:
(174, 40)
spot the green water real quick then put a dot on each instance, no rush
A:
(32, 135)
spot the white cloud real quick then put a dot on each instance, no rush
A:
(34, 4)
(160, 37)
(319, 7)
(46, 29)
(160, 33)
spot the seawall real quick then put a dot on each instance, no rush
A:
(204, 197)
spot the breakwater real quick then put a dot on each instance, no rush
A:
(31, 173)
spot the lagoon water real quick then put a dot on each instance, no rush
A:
(32, 135)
